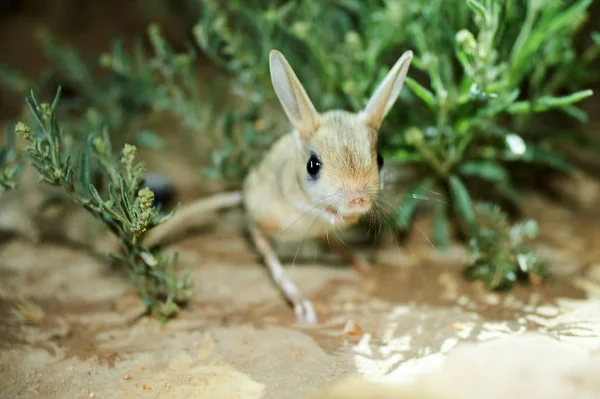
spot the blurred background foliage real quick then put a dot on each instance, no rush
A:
(489, 80)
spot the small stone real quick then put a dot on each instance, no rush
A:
(126, 377)
(492, 299)
(348, 306)
(352, 329)
(548, 311)
(583, 190)
(594, 271)
(92, 395)
(536, 280)
(146, 387)
(463, 300)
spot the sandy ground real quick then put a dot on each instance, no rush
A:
(238, 338)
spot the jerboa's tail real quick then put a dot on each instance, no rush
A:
(194, 214)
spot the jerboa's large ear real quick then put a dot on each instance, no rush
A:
(387, 92)
(293, 98)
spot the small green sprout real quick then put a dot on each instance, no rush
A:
(500, 254)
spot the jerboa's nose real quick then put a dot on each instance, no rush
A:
(358, 199)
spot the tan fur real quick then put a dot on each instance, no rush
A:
(279, 192)
(193, 214)
(274, 191)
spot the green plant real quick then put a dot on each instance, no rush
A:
(114, 99)
(499, 253)
(10, 164)
(483, 71)
(244, 137)
(319, 38)
(164, 80)
(133, 81)
(172, 87)
(124, 208)
(484, 120)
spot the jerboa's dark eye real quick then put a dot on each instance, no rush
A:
(313, 166)
(379, 160)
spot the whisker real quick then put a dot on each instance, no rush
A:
(397, 245)
(305, 234)
(386, 212)
(419, 230)
(319, 203)
(418, 196)
(336, 230)
(382, 207)
(302, 243)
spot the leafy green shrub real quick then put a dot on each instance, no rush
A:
(124, 208)
(171, 85)
(164, 80)
(116, 98)
(481, 74)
